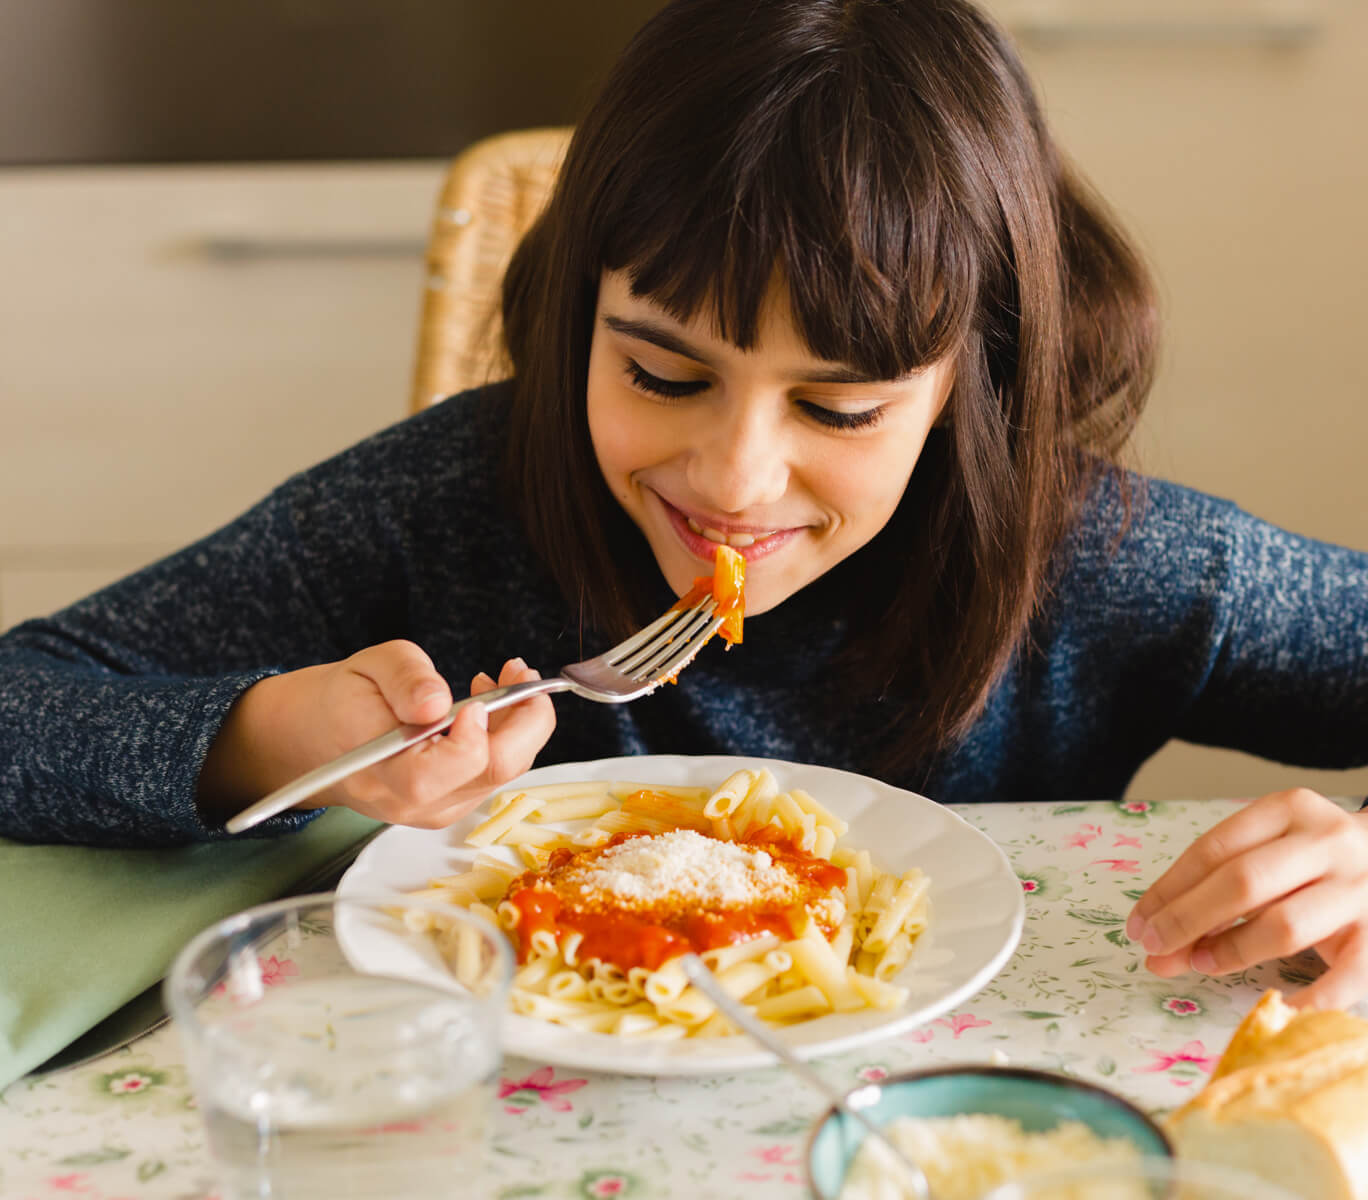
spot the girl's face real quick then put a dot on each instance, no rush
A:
(795, 461)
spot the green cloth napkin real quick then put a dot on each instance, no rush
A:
(84, 930)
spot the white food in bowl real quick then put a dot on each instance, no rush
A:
(964, 1156)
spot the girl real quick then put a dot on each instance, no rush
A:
(815, 282)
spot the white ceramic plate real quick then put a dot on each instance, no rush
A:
(977, 911)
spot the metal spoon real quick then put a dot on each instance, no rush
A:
(913, 1177)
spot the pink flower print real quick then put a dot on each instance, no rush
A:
(1138, 807)
(921, 1035)
(960, 1022)
(69, 1183)
(1190, 1052)
(608, 1185)
(1180, 1006)
(1085, 834)
(777, 1155)
(1030, 885)
(873, 1074)
(1118, 864)
(275, 970)
(1125, 839)
(538, 1086)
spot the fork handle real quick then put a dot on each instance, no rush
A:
(387, 745)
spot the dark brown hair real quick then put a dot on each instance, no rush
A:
(890, 159)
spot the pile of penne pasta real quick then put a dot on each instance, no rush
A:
(878, 916)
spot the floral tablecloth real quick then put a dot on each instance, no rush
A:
(1074, 998)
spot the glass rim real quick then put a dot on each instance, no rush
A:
(183, 1010)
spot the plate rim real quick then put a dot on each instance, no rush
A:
(589, 1051)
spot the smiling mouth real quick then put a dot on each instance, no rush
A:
(736, 540)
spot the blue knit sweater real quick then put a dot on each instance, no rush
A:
(1203, 624)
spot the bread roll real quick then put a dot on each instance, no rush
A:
(1287, 1101)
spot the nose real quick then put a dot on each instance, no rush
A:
(740, 461)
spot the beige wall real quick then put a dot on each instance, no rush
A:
(1242, 168)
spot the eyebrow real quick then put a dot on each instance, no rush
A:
(667, 339)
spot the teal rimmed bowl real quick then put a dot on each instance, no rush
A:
(1038, 1099)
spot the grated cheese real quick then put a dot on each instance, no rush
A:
(684, 867)
(965, 1155)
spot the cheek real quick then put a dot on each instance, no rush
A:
(864, 487)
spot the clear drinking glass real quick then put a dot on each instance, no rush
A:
(344, 1046)
(1143, 1179)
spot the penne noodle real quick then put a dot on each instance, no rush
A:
(543, 943)
(724, 801)
(485, 913)
(575, 808)
(813, 957)
(844, 942)
(547, 793)
(479, 883)
(695, 796)
(724, 957)
(621, 821)
(534, 857)
(535, 973)
(894, 957)
(716, 1025)
(469, 955)
(900, 906)
(618, 991)
(747, 977)
(569, 946)
(567, 985)
(666, 984)
(876, 993)
(788, 1006)
(525, 834)
(825, 817)
(672, 813)
(690, 1007)
(597, 1020)
(489, 831)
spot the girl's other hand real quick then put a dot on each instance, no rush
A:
(288, 724)
(1288, 872)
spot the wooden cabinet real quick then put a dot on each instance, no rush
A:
(175, 341)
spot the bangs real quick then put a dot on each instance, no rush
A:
(881, 255)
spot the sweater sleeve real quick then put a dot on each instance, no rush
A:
(1289, 677)
(108, 708)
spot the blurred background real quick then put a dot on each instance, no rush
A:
(212, 218)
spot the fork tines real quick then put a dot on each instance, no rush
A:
(667, 644)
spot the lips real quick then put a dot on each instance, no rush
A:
(700, 539)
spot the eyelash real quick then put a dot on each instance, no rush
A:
(674, 389)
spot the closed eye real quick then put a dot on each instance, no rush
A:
(672, 389)
(835, 418)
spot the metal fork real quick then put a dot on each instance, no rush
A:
(628, 671)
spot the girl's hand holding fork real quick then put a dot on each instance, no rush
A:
(287, 724)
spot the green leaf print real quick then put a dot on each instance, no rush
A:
(1032, 1015)
(1117, 937)
(93, 1158)
(1060, 810)
(785, 1127)
(150, 1169)
(1133, 893)
(1096, 916)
